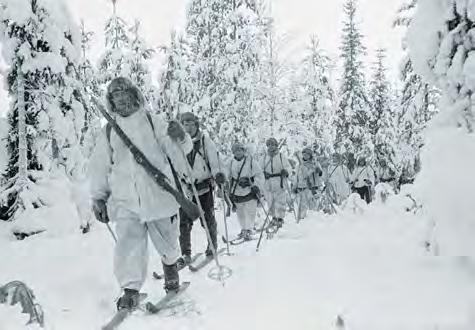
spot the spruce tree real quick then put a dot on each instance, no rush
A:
(225, 40)
(42, 48)
(353, 134)
(175, 80)
(140, 73)
(384, 117)
(115, 60)
(316, 99)
(417, 102)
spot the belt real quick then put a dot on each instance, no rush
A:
(242, 199)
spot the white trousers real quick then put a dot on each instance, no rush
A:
(277, 202)
(131, 251)
(306, 201)
(246, 214)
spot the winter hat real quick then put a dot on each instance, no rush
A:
(272, 141)
(119, 84)
(122, 84)
(189, 116)
(236, 146)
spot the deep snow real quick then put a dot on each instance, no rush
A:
(372, 268)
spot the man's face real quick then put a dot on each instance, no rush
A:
(272, 148)
(122, 103)
(324, 162)
(306, 156)
(190, 127)
(336, 159)
(238, 153)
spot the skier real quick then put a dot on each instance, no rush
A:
(206, 170)
(363, 180)
(386, 174)
(307, 182)
(339, 178)
(247, 182)
(123, 191)
(276, 171)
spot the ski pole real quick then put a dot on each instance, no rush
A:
(200, 208)
(290, 196)
(225, 221)
(263, 225)
(112, 232)
(224, 206)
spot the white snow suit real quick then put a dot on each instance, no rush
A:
(276, 186)
(242, 197)
(363, 179)
(306, 183)
(339, 178)
(206, 163)
(135, 203)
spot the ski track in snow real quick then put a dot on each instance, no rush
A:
(372, 270)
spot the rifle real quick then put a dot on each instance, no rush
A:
(160, 179)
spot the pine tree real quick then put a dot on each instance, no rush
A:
(353, 113)
(42, 47)
(383, 119)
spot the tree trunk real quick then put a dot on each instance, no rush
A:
(22, 141)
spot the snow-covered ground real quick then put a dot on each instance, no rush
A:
(372, 268)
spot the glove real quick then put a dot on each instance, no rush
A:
(314, 190)
(220, 178)
(266, 175)
(295, 190)
(175, 131)
(99, 207)
(244, 182)
(284, 173)
(255, 190)
(368, 182)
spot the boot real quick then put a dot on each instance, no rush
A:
(242, 233)
(213, 232)
(247, 235)
(209, 252)
(183, 261)
(280, 222)
(274, 222)
(129, 300)
(172, 279)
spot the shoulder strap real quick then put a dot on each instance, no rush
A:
(239, 174)
(108, 132)
(149, 117)
(205, 153)
(108, 136)
(175, 176)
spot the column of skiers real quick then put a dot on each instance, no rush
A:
(123, 192)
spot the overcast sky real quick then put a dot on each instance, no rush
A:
(297, 18)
